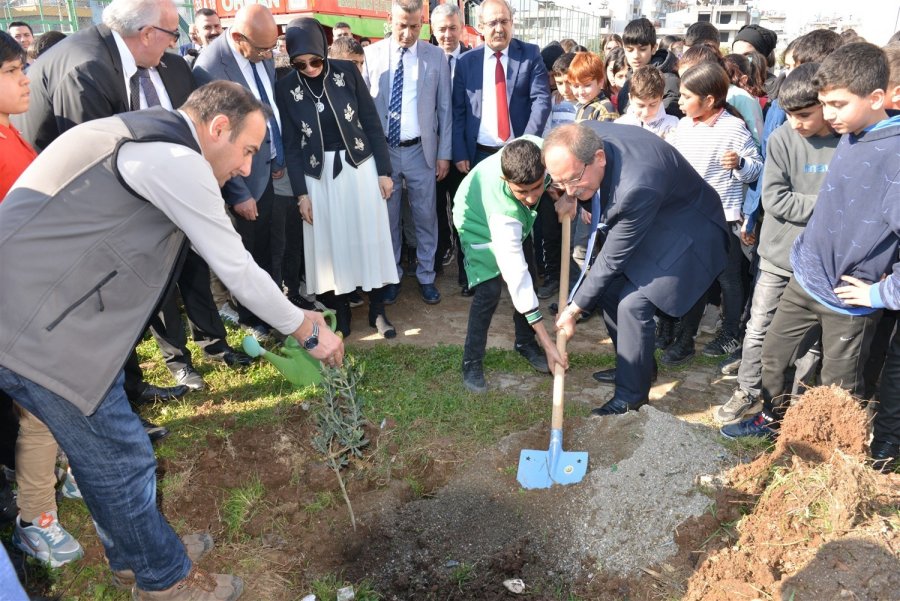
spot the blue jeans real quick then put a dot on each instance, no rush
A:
(113, 462)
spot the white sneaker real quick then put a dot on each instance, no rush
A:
(227, 313)
(47, 541)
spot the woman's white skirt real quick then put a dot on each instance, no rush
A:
(349, 243)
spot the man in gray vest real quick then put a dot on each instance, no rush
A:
(92, 235)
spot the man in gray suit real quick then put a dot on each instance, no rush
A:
(243, 55)
(410, 82)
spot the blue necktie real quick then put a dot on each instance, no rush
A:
(596, 208)
(273, 123)
(396, 105)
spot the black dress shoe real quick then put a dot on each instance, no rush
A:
(152, 393)
(232, 359)
(156, 433)
(616, 407)
(608, 376)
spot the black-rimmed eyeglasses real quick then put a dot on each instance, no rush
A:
(172, 32)
(571, 182)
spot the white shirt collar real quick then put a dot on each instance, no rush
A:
(242, 62)
(395, 48)
(129, 66)
(457, 52)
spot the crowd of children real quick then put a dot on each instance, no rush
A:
(805, 291)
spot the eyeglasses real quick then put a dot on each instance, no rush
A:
(571, 182)
(314, 63)
(496, 22)
(174, 33)
(257, 49)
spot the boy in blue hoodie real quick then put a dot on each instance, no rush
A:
(845, 261)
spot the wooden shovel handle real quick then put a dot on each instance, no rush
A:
(559, 375)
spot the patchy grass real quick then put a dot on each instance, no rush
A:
(240, 505)
(326, 587)
(419, 389)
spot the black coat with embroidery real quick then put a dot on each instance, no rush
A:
(347, 94)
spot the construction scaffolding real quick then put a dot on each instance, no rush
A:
(543, 21)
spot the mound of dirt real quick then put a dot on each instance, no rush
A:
(482, 528)
(812, 490)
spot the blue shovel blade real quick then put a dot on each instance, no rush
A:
(536, 471)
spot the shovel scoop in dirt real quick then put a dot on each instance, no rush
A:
(543, 469)
(294, 362)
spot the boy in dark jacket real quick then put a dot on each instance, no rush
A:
(799, 154)
(845, 261)
(642, 49)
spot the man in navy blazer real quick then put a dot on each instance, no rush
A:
(527, 88)
(664, 239)
(234, 56)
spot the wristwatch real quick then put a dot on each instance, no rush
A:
(313, 340)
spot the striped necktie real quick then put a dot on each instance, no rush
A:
(396, 105)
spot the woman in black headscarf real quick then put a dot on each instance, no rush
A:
(331, 134)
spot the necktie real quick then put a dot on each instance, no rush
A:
(141, 81)
(273, 123)
(450, 62)
(596, 229)
(502, 106)
(396, 105)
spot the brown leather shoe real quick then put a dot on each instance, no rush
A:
(196, 546)
(198, 586)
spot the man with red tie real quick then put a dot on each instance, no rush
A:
(500, 89)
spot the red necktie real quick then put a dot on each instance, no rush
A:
(502, 106)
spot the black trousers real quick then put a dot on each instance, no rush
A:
(484, 304)
(887, 415)
(287, 244)
(447, 236)
(257, 238)
(206, 325)
(551, 238)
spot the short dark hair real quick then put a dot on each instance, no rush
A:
(520, 162)
(224, 98)
(205, 12)
(19, 24)
(10, 49)
(665, 43)
(639, 32)
(815, 46)
(580, 139)
(859, 67)
(46, 41)
(345, 46)
(341, 25)
(647, 83)
(798, 90)
(702, 32)
(561, 65)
